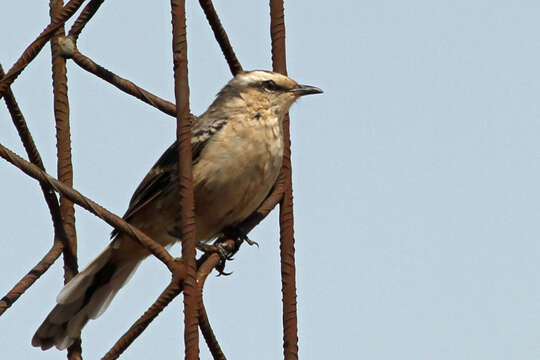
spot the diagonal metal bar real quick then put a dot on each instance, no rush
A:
(187, 203)
(123, 84)
(286, 219)
(30, 278)
(72, 194)
(169, 294)
(202, 273)
(204, 265)
(88, 12)
(35, 47)
(208, 334)
(221, 36)
(60, 237)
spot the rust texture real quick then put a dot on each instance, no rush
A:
(72, 194)
(88, 12)
(35, 47)
(208, 334)
(123, 84)
(60, 237)
(187, 203)
(168, 295)
(221, 36)
(204, 323)
(64, 165)
(63, 144)
(286, 219)
(29, 279)
(188, 274)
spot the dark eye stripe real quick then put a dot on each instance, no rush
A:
(269, 85)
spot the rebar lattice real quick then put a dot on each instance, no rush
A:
(188, 274)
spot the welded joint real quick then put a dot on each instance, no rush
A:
(67, 46)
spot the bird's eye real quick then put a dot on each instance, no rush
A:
(270, 85)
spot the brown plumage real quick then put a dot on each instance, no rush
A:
(237, 147)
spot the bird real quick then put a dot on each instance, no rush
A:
(237, 150)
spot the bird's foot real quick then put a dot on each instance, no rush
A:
(239, 237)
(219, 249)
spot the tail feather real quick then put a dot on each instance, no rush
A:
(85, 297)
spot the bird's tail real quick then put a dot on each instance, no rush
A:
(85, 297)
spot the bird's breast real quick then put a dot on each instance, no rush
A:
(235, 173)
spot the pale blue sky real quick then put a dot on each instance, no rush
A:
(416, 177)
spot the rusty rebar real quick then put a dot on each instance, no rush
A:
(123, 84)
(35, 47)
(86, 14)
(204, 324)
(60, 237)
(282, 191)
(173, 289)
(118, 223)
(221, 36)
(64, 165)
(286, 219)
(288, 268)
(179, 273)
(31, 277)
(63, 143)
(187, 203)
(209, 335)
(35, 158)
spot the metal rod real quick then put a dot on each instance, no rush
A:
(35, 47)
(30, 278)
(187, 204)
(33, 171)
(286, 218)
(169, 294)
(123, 84)
(221, 36)
(64, 165)
(88, 12)
(206, 329)
(63, 143)
(60, 237)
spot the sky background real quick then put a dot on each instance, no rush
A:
(416, 177)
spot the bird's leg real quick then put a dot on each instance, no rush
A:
(214, 248)
(218, 248)
(239, 237)
(202, 246)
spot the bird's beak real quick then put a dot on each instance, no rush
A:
(302, 90)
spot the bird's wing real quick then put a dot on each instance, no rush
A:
(165, 170)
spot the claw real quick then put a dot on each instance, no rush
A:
(240, 237)
(217, 247)
(223, 255)
(250, 242)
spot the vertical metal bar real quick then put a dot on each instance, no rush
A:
(63, 142)
(63, 146)
(187, 224)
(286, 219)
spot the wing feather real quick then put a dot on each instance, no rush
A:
(165, 171)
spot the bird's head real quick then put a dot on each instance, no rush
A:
(264, 90)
